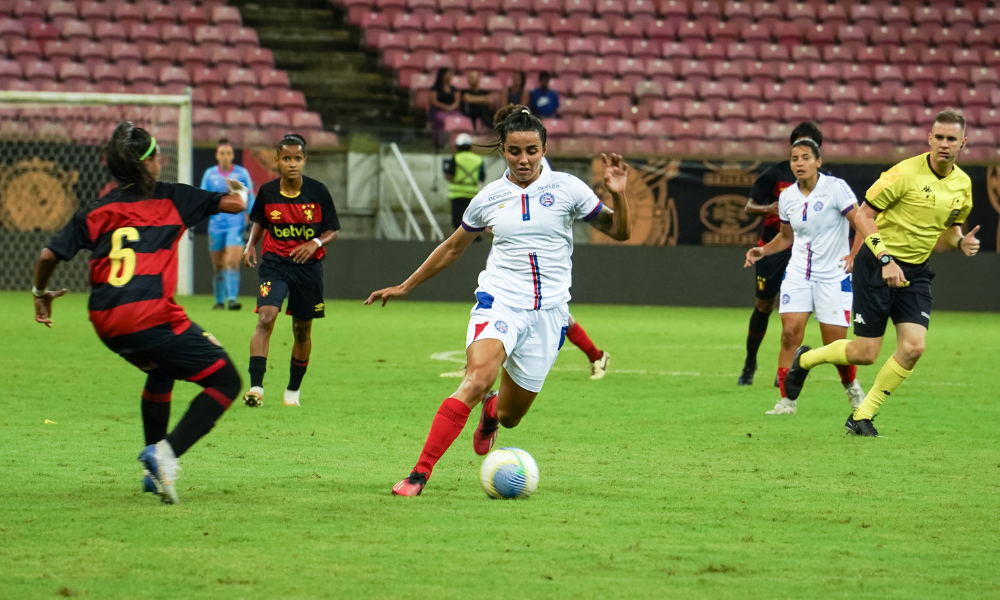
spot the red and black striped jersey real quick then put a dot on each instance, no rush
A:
(290, 221)
(766, 190)
(133, 262)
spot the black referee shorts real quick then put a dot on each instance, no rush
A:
(190, 356)
(770, 271)
(875, 302)
(301, 284)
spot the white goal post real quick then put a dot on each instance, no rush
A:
(48, 145)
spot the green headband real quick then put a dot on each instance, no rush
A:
(152, 146)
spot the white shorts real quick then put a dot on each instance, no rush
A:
(830, 301)
(531, 338)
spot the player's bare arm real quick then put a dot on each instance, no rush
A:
(615, 222)
(440, 259)
(968, 243)
(753, 208)
(858, 240)
(781, 242)
(305, 251)
(250, 251)
(864, 224)
(44, 268)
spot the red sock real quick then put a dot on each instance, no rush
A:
(848, 373)
(491, 408)
(581, 340)
(447, 424)
(781, 380)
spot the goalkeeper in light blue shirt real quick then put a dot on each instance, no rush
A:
(225, 232)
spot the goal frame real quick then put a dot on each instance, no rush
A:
(185, 147)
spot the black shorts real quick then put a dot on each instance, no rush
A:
(875, 302)
(301, 284)
(770, 271)
(190, 356)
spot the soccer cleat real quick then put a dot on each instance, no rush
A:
(863, 427)
(486, 433)
(459, 374)
(161, 465)
(599, 368)
(796, 376)
(234, 305)
(219, 306)
(746, 377)
(855, 395)
(292, 398)
(783, 407)
(254, 398)
(411, 486)
(148, 485)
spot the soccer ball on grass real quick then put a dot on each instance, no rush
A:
(509, 473)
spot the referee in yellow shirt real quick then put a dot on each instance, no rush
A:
(910, 207)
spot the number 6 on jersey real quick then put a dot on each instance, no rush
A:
(122, 259)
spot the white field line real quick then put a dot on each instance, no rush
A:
(458, 356)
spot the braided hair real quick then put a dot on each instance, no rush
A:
(513, 118)
(125, 153)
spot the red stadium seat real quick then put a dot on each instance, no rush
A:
(676, 51)
(274, 120)
(932, 56)
(94, 12)
(245, 39)
(611, 12)
(695, 72)
(70, 72)
(661, 31)
(128, 14)
(767, 13)
(802, 14)
(306, 121)
(973, 98)
(192, 16)
(805, 55)
(576, 9)
(581, 46)
(651, 128)
(844, 95)
(140, 74)
(896, 115)
(885, 35)
(929, 15)
(174, 76)
(603, 111)
(692, 32)
(641, 11)
(722, 33)
(515, 8)
(235, 117)
(733, 113)
(878, 97)
(861, 115)
(612, 47)
(966, 57)
(851, 36)
(728, 72)
(830, 115)
(223, 100)
(666, 110)
(585, 128)
(766, 113)
(946, 40)
(743, 52)
(226, 17)
(689, 130)
(680, 90)
(645, 90)
(161, 14)
(903, 56)
(747, 93)
(202, 117)
(953, 75)
(762, 73)
(709, 51)
(792, 73)
(556, 128)
(737, 12)
(274, 79)
(109, 32)
(777, 92)
(775, 53)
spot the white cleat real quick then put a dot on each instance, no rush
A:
(160, 463)
(459, 374)
(783, 407)
(855, 394)
(292, 398)
(254, 398)
(599, 368)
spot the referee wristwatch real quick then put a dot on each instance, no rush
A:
(885, 259)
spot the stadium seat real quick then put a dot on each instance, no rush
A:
(126, 55)
(10, 71)
(127, 14)
(109, 32)
(274, 79)
(142, 33)
(159, 15)
(57, 52)
(95, 12)
(224, 99)
(666, 110)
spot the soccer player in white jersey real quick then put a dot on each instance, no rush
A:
(520, 317)
(816, 213)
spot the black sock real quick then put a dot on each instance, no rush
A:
(221, 388)
(758, 327)
(296, 372)
(156, 406)
(258, 365)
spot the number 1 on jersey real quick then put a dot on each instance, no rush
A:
(122, 259)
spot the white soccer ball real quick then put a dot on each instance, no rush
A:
(509, 473)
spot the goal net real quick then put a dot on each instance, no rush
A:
(50, 165)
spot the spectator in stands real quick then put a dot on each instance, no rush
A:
(476, 102)
(544, 102)
(515, 93)
(445, 101)
(465, 172)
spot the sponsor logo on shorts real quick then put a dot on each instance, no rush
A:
(859, 319)
(925, 315)
(501, 326)
(320, 306)
(761, 283)
(785, 299)
(265, 289)
(547, 199)
(818, 206)
(211, 338)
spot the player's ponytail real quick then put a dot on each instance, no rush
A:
(125, 154)
(513, 118)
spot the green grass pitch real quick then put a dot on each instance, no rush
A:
(662, 480)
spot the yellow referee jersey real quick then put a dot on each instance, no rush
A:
(917, 205)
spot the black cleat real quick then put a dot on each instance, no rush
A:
(796, 376)
(746, 377)
(234, 305)
(861, 426)
(219, 306)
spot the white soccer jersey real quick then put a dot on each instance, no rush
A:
(530, 264)
(821, 228)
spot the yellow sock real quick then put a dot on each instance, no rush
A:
(889, 377)
(834, 353)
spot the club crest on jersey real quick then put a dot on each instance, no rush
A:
(818, 206)
(275, 215)
(307, 212)
(265, 289)
(501, 326)
(546, 199)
